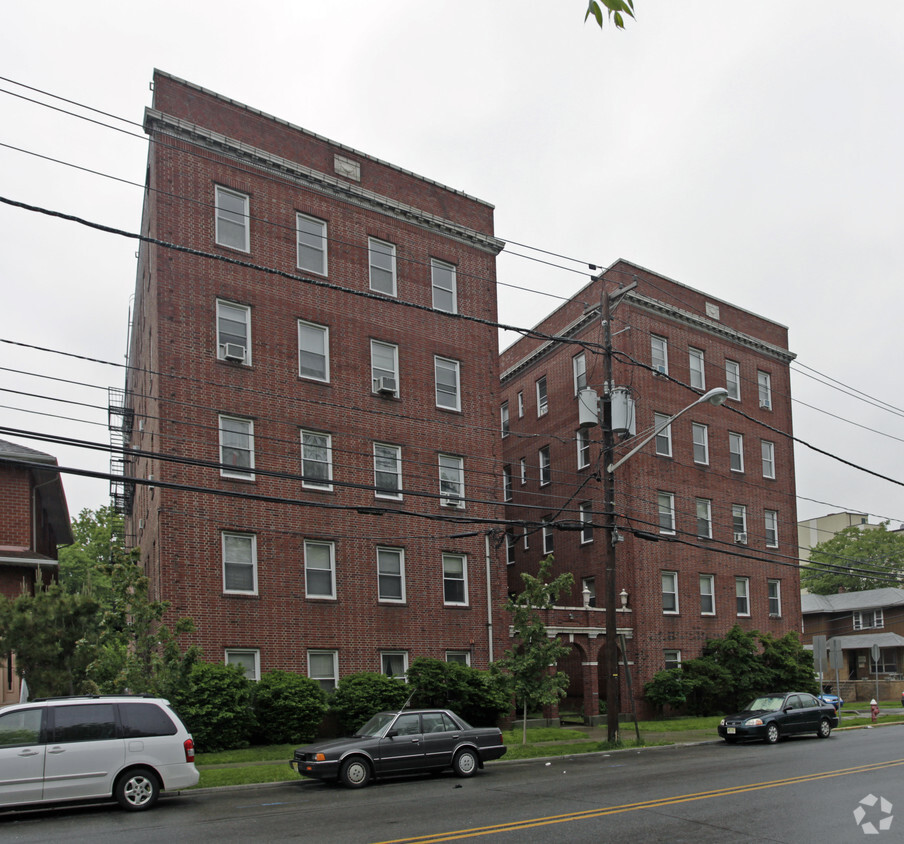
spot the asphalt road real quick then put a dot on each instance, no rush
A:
(801, 790)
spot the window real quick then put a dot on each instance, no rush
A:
(764, 386)
(588, 585)
(586, 509)
(545, 471)
(445, 290)
(526, 539)
(451, 481)
(520, 404)
(394, 663)
(771, 519)
(391, 574)
(232, 219)
(461, 657)
(523, 466)
(733, 379)
(707, 594)
(887, 662)
(248, 659)
(704, 518)
(20, 728)
(664, 437)
(739, 523)
(542, 398)
(666, 505)
(233, 332)
(775, 598)
(316, 460)
(742, 595)
(382, 258)
(672, 659)
(583, 441)
(323, 666)
(670, 592)
(455, 579)
(236, 447)
(509, 547)
(548, 542)
(579, 367)
(700, 435)
(695, 360)
(384, 367)
(736, 452)
(387, 471)
(659, 354)
(868, 619)
(91, 722)
(768, 451)
(504, 418)
(311, 244)
(448, 394)
(239, 563)
(319, 569)
(506, 483)
(313, 351)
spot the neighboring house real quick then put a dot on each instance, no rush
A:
(34, 520)
(716, 488)
(811, 532)
(310, 410)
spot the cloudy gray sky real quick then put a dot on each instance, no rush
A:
(750, 150)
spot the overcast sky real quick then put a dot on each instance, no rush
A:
(750, 150)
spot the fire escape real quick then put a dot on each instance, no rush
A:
(122, 490)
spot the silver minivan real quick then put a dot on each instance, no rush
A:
(129, 747)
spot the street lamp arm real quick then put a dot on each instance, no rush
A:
(715, 396)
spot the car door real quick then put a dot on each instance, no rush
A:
(441, 735)
(810, 707)
(795, 717)
(402, 749)
(21, 757)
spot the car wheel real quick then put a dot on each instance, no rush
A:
(825, 728)
(137, 790)
(465, 763)
(355, 772)
(772, 733)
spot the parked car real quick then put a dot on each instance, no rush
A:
(401, 742)
(780, 714)
(836, 701)
(128, 747)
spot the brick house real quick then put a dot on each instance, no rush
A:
(716, 489)
(34, 520)
(312, 400)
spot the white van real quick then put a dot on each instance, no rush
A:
(129, 747)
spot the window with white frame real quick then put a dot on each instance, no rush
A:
(236, 447)
(232, 219)
(771, 520)
(868, 619)
(704, 518)
(764, 387)
(526, 537)
(451, 480)
(586, 510)
(319, 569)
(522, 463)
(504, 418)
(506, 483)
(707, 594)
(461, 657)
(583, 443)
(394, 664)
(455, 579)
(323, 668)
(384, 367)
(448, 392)
(671, 659)
(239, 563)
(387, 471)
(733, 379)
(542, 397)
(700, 435)
(588, 584)
(695, 361)
(666, 507)
(248, 659)
(670, 592)
(382, 259)
(233, 332)
(664, 437)
(509, 547)
(548, 541)
(579, 367)
(520, 404)
(774, 588)
(659, 354)
(445, 286)
(739, 523)
(742, 595)
(312, 244)
(768, 452)
(316, 460)
(736, 452)
(391, 574)
(313, 351)
(543, 461)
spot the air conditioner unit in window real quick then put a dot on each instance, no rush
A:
(452, 502)
(660, 370)
(765, 405)
(740, 538)
(385, 385)
(233, 351)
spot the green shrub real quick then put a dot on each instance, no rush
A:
(359, 696)
(288, 708)
(477, 696)
(216, 707)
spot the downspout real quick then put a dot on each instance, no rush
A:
(486, 539)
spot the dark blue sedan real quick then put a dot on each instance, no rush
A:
(774, 716)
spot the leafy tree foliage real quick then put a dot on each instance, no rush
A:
(477, 696)
(359, 696)
(84, 564)
(615, 9)
(288, 707)
(855, 560)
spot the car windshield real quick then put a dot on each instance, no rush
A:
(377, 725)
(766, 704)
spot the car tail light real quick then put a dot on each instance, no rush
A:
(189, 746)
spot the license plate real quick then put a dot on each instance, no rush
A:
(730, 731)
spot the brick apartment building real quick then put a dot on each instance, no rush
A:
(716, 489)
(312, 404)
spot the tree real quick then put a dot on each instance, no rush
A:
(477, 696)
(530, 664)
(855, 560)
(83, 564)
(615, 9)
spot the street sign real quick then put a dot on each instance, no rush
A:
(836, 655)
(819, 654)
(876, 652)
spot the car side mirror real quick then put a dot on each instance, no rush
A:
(392, 733)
